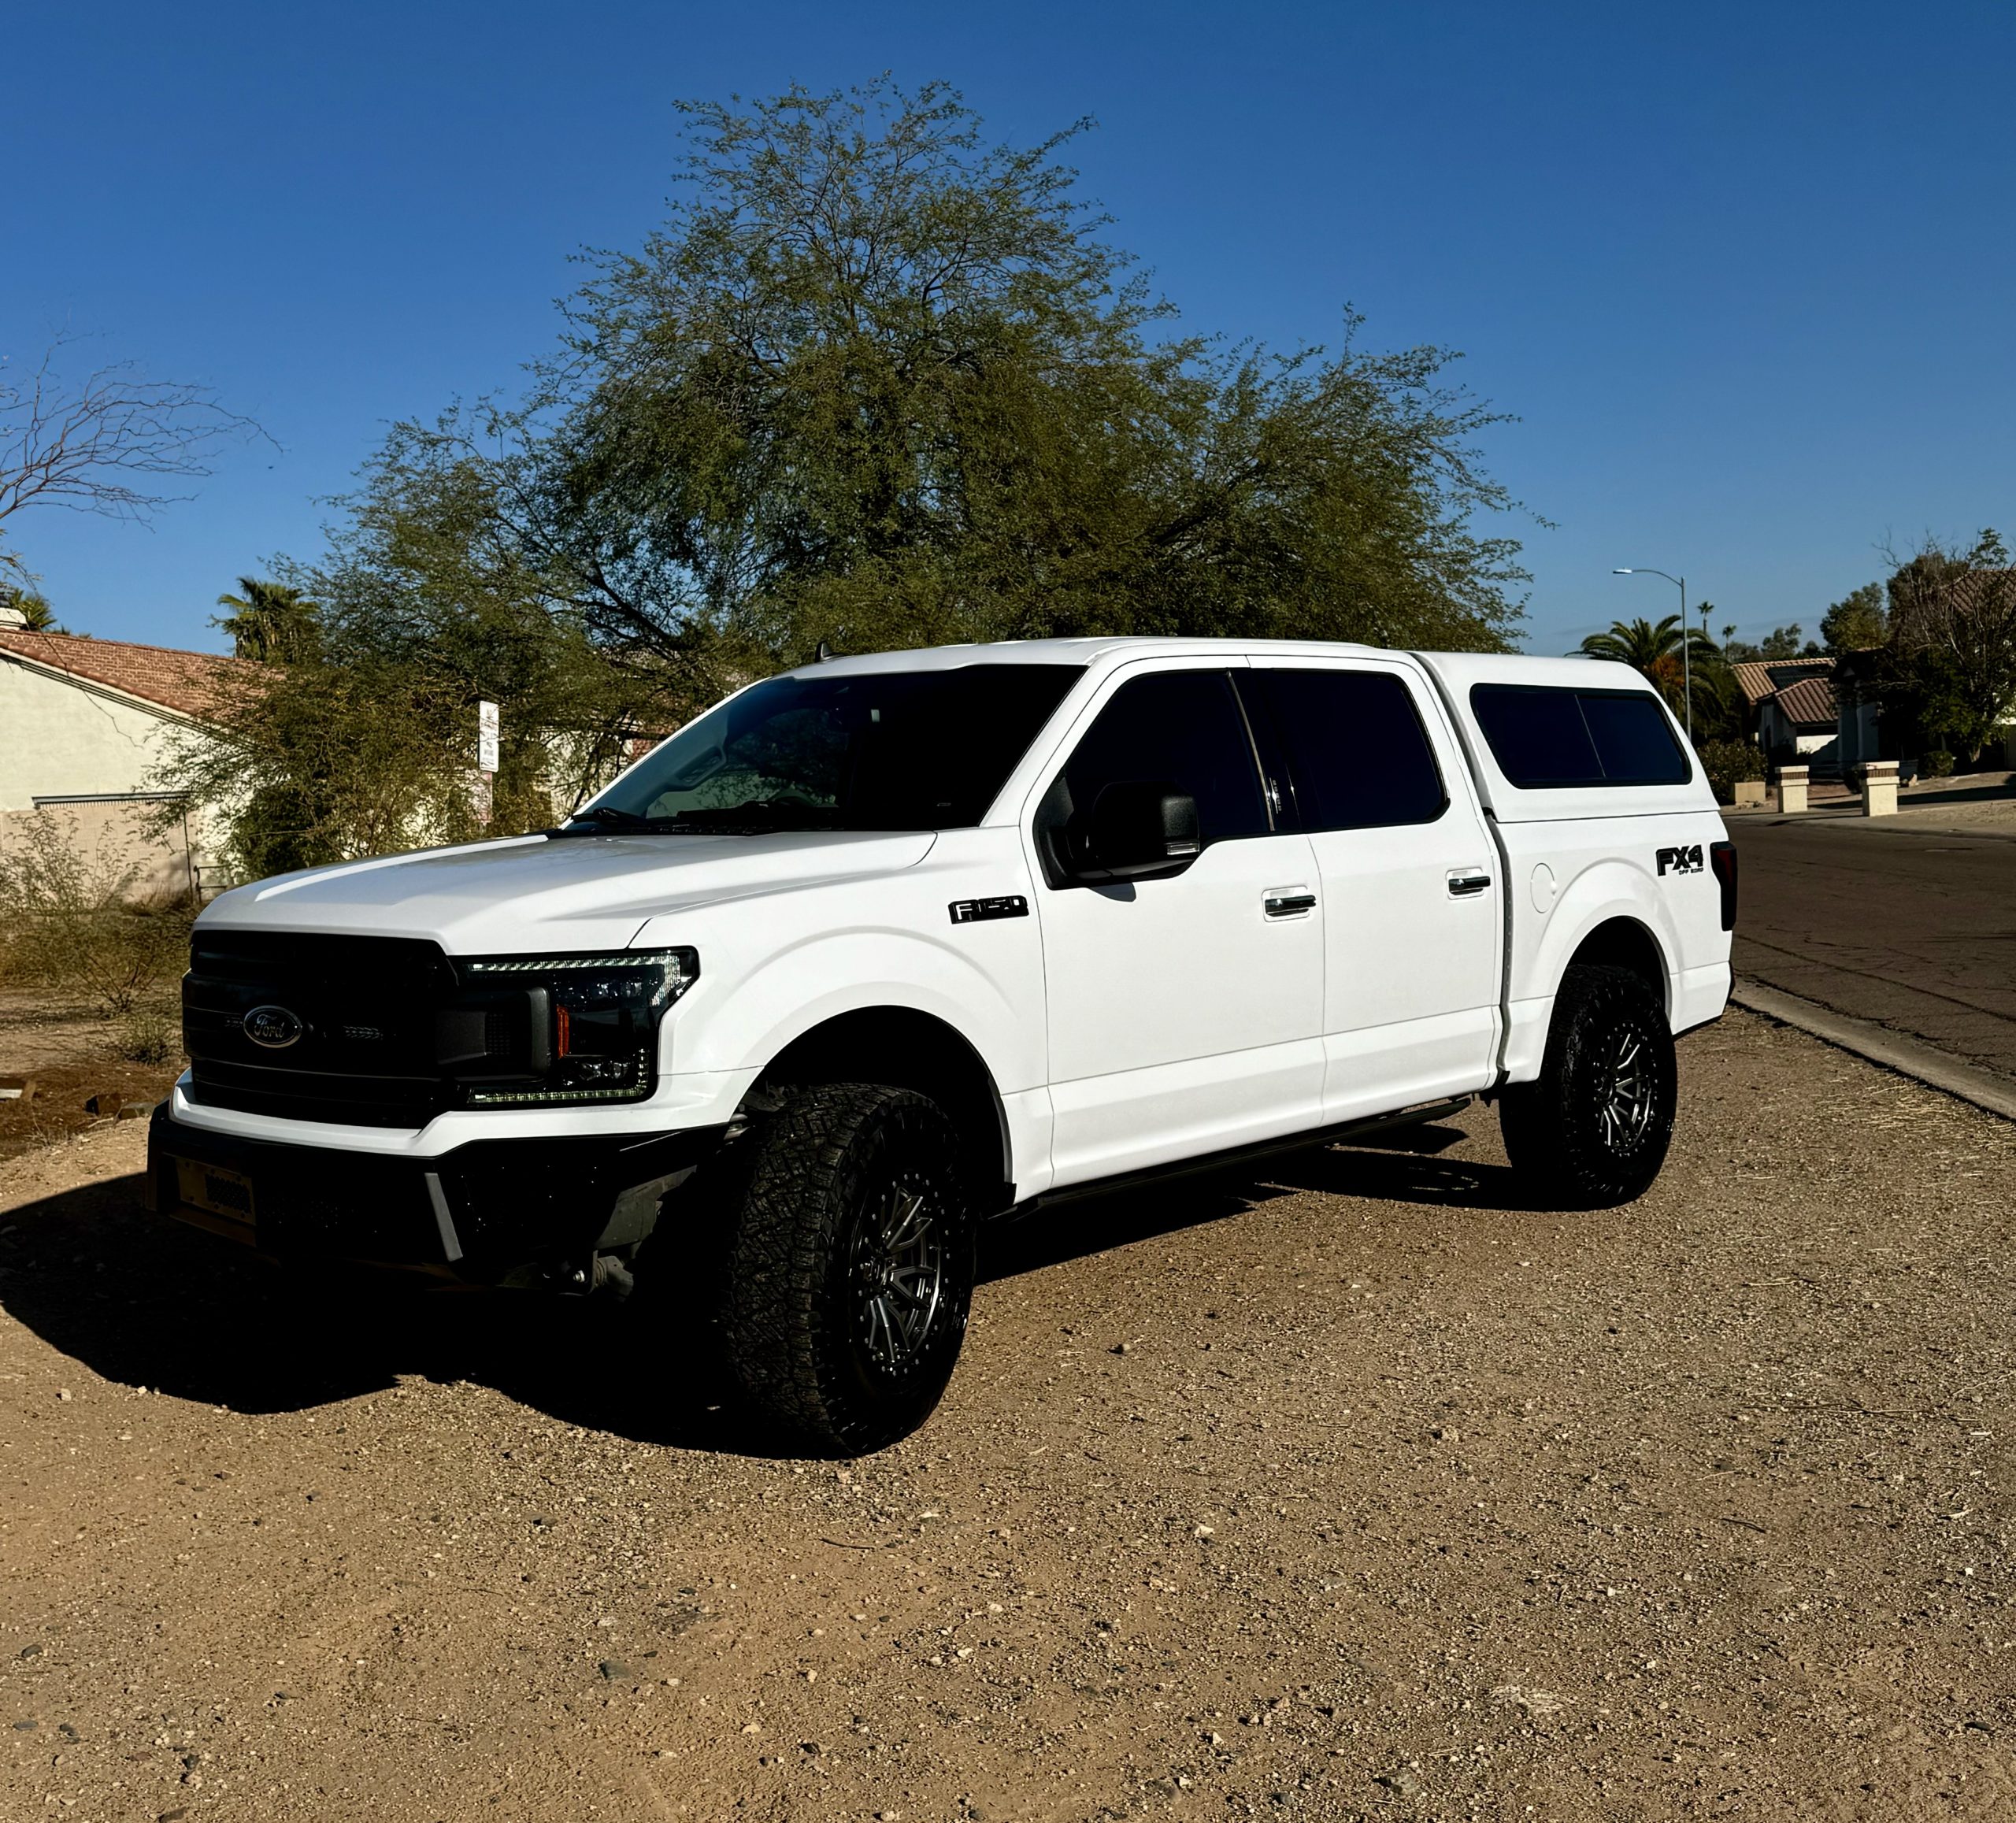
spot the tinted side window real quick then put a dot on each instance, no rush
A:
(1182, 726)
(1543, 737)
(1634, 740)
(1359, 754)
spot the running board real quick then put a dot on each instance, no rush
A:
(1413, 1116)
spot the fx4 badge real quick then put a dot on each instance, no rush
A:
(1680, 860)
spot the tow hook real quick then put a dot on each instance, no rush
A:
(608, 1277)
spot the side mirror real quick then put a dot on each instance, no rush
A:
(1139, 829)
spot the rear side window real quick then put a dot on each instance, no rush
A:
(1545, 738)
(1356, 747)
(1184, 728)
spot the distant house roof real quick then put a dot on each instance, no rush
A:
(185, 683)
(1760, 678)
(1809, 702)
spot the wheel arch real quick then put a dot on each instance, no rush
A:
(1623, 942)
(906, 1049)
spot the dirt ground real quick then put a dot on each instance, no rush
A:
(72, 1055)
(1354, 1490)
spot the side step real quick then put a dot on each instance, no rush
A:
(1414, 1117)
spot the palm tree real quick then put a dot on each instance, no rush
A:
(271, 622)
(1655, 651)
(37, 616)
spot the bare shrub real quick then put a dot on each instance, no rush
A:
(65, 920)
(148, 1035)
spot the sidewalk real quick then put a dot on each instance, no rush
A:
(1978, 805)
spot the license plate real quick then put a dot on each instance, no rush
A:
(215, 1191)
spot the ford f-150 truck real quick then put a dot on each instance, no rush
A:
(884, 948)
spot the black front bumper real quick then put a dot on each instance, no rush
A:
(530, 1211)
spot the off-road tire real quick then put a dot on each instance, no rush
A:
(1593, 1130)
(829, 1174)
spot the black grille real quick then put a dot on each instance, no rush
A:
(366, 1051)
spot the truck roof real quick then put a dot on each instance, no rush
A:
(1459, 669)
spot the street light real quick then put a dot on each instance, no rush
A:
(1686, 641)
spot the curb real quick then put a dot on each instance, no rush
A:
(1877, 1044)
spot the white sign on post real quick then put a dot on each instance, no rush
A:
(485, 737)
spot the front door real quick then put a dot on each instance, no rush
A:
(1185, 1014)
(1413, 909)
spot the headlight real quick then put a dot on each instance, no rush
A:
(537, 1031)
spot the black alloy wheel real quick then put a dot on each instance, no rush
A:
(851, 1272)
(1593, 1130)
(896, 1258)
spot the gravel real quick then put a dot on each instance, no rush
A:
(1353, 1490)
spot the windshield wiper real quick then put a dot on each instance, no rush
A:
(607, 821)
(761, 817)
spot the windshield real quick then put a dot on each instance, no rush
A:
(881, 750)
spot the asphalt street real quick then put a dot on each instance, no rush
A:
(1914, 930)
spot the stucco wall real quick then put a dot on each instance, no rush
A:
(117, 841)
(59, 740)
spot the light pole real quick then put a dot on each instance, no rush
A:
(1686, 640)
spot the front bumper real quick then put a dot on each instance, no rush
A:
(523, 1211)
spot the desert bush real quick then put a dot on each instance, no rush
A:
(147, 1034)
(65, 921)
(1938, 764)
(1725, 762)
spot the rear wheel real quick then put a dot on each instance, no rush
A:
(1593, 1130)
(851, 1270)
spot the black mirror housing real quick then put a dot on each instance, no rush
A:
(1138, 829)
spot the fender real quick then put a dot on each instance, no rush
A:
(820, 977)
(982, 981)
(1606, 889)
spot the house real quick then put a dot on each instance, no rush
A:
(84, 726)
(1789, 709)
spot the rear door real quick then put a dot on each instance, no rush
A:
(1412, 911)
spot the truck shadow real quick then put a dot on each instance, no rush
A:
(1402, 1167)
(145, 1302)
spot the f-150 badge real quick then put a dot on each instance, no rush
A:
(1680, 860)
(975, 911)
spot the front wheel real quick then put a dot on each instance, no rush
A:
(851, 1270)
(1593, 1130)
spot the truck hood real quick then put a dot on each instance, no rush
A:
(576, 892)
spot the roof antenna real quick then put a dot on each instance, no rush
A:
(825, 654)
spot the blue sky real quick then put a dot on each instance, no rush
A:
(1744, 273)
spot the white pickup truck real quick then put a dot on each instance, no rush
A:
(883, 948)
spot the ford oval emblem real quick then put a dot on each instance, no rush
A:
(274, 1027)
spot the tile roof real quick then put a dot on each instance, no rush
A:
(184, 682)
(1760, 678)
(1753, 679)
(1809, 702)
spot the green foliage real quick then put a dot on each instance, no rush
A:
(68, 922)
(1856, 623)
(1779, 643)
(362, 740)
(1726, 762)
(878, 383)
(1945, 676)
(1938, 764)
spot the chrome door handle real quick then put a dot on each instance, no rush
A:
(1463, 884)
(1289, 905)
